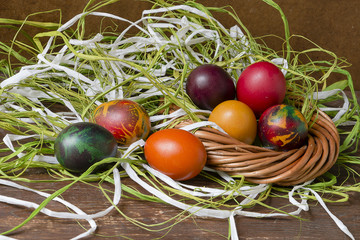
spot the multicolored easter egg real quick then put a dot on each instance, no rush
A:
(80, 145)
(127, 120)
(282, 127)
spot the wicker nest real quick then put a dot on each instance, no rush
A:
(262, 165)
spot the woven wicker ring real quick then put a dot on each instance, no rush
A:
(262, 165)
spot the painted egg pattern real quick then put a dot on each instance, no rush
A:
(80, 145)
(127, 120)
(282, 127)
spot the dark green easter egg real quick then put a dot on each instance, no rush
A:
(80, 145)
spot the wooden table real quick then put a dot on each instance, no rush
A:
(316, 224)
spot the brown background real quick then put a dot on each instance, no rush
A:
(332, 24)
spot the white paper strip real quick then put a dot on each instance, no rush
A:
(79, 214)
(340, 111)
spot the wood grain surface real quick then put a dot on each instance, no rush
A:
(316, 223)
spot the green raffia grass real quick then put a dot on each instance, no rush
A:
(300, 80)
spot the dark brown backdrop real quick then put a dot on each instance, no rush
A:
(332, 24)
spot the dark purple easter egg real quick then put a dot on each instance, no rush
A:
(208, 85)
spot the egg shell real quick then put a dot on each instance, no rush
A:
(80, 145)
(236, 119)
(260, 86)
(127, 120)
(208, 85)
(282, 127)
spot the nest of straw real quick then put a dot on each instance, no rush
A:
(262, 165)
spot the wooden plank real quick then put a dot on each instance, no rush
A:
(316, 224)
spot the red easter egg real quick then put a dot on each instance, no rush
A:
(127, 120)
(260, 86)
(282, 127)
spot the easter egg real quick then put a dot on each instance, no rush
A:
(80, 145)
(282, 127)
(208, 85)
(127, 120)
(176, 153)
(236, 119)
(260, 86)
